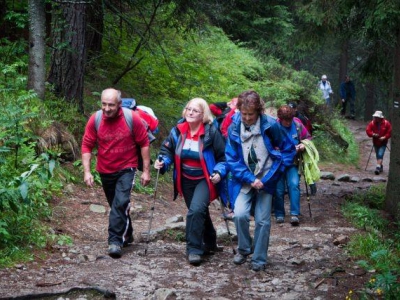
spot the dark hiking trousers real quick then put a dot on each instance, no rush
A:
(200, 231)
(117, 187)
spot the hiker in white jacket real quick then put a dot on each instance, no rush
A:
(325, 87)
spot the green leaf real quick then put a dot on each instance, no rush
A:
(52, 164)
(23, 189)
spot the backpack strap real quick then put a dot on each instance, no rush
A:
(298, 128)
(127, 116)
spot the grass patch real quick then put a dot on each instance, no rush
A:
(330, 151)
(377, 248)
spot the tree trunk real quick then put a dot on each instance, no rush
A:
(69, 51)
(393, 186)
(37, 50)
(369, 101)
(95, 28)
(344, 58)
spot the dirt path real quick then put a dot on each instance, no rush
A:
(304, 262)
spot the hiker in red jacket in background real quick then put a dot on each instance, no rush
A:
(380, 130)
(223, 112)
(228, 117)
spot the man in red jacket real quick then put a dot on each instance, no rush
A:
(380, 130)
(117, 161)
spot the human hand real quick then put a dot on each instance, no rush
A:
(88, 179)
(215, 178)
(145, 178)
(257, 184)
(382, 138)
(300, 147)
(343, 100)
(159, 163)
(375, 135)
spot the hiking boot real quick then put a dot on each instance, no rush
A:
(280, 220)
(194, 259)
(294, 220)
(377, 170)
(114, 251)
(257, 267)
(239, 259)
(211, 250)
(128, 241)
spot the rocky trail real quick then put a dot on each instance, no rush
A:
(305, 262)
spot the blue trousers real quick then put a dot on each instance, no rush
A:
(291, 179)
(117, 188)
(262, 216)
(380, 151)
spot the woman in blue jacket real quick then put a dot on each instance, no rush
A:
(256, 167)
(196, 149)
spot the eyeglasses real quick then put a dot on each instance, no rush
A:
(195, 111)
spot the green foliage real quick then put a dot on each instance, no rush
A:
(374, 198)
(330, 150)
(380, 258)
(61, 239)
(27, 183)
(207, 65)
(378, 248)
(176, 235)
(364, 217)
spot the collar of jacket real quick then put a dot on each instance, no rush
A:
(237, 121)
(206, 136)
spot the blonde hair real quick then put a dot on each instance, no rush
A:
(203, 105)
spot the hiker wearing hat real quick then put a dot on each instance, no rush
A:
(380, 130)
(325, 87)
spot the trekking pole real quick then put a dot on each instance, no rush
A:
(227, 226)
(152, 208)
(305, 182)
(369, 158)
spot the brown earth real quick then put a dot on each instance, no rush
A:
(304, 262)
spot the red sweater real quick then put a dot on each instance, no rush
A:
(117, 146)
(384, 130)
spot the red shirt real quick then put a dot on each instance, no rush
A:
(117, 146)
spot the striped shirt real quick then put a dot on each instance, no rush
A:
(190, 156)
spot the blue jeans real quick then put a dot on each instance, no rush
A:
(262, 216)
(380, 151)
(200, 231)
(291, 178)
(117, 187)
